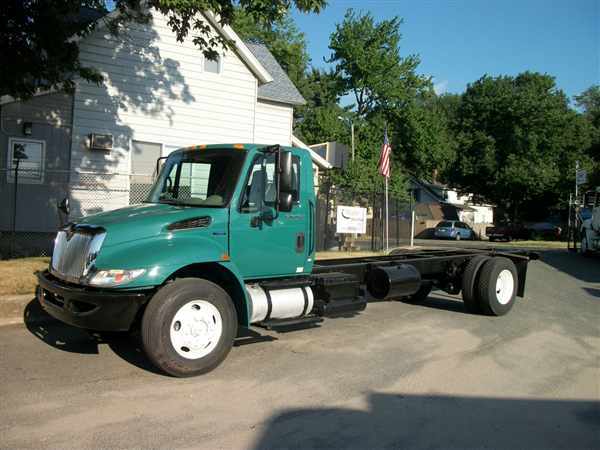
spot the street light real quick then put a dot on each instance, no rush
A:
(347, 119)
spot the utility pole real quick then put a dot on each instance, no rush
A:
(352, 133)
(576, 184)
(347, 119)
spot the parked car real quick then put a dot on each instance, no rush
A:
(505, 232)
(452, 229)
(534, 230)
(543, 230)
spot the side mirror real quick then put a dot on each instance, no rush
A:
(285, 172)
(64, 206)
(285, 201)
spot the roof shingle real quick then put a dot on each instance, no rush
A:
(281, 89)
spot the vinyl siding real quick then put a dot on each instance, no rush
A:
(50, 115)
(155, 90)
(273, 123)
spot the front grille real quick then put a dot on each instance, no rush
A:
(75, 250)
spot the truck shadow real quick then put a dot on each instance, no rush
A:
(574, 264)
(125, 345)
(438, 421)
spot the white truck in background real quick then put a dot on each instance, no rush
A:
(590, 222)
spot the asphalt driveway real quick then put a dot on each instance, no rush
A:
(397, 375)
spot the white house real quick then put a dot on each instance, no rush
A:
(99, 146)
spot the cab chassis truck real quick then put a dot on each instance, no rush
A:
(226, 239)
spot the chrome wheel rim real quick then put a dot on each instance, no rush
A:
(505, 286)
(196, 329)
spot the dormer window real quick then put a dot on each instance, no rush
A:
(213, 65)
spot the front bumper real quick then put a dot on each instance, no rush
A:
(94, 309)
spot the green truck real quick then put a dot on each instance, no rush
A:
(226, 240)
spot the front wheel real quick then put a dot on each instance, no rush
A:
(457, 238)
(188, 327)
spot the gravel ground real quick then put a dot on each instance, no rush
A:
(396, 376)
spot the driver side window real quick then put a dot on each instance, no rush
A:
(261, 185)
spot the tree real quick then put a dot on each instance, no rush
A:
(367, 59)
(589, 102)
(383, 84)
(38, 39)
(319, 120)
(424, 138)
(517, 138)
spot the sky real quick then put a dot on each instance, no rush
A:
(459, 41)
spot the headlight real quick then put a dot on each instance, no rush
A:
(107, 278)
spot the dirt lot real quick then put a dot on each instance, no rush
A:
(398, 375)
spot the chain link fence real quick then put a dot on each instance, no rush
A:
(330, 198)
(29, 213)
(37, 216)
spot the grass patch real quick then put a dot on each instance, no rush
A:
(16, 275)
(531, 244)
(343, 254)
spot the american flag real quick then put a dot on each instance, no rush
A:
(384, 159)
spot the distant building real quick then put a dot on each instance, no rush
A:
(335, 153)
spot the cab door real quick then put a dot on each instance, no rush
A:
(263, 246)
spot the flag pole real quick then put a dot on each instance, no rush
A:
(387, 228)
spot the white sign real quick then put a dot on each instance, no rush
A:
(581, 177)
(351, 219)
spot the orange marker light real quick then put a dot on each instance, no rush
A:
(238, 146)
(225, 257)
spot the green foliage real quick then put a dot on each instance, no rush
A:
(318, 121)
(589, 102)
(36, 45)
(424, 139)
(37, 41)
(517, 140)
(367, 61)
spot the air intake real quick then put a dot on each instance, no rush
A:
(194, 222)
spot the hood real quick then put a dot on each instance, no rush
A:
(145, 220)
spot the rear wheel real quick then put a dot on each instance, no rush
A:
(497, 286)
(188, 327)
(469, 284)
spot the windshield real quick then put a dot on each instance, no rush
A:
(198, 178)
(444, 225)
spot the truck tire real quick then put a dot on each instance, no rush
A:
(469, 284)
(188, 327)
(497, 286)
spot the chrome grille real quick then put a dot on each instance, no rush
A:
(75, 250)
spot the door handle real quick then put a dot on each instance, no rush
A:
(300, 242)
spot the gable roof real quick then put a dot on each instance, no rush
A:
(281, 89)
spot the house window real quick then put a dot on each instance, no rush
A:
(31, 164)
(213, 65)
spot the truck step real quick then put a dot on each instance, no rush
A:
(286, 283)
(341, 307)
(273, 324)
